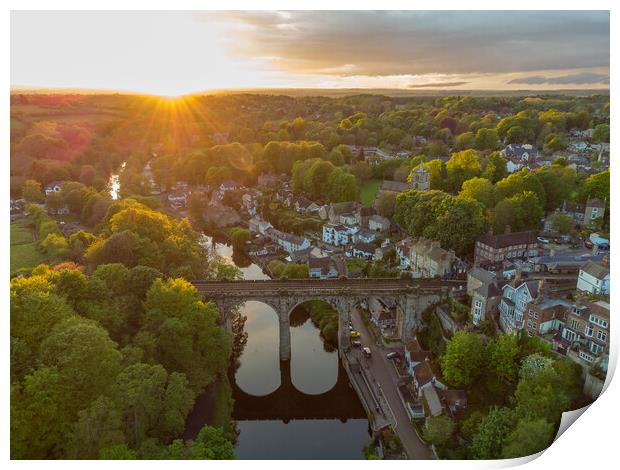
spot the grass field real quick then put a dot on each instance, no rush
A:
(368, 191)
(24, 253)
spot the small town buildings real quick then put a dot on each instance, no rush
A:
(360, 250)
(288, 241)
(363, 214)
(403, 249)
(414, 355)
(221, 216)
(492, 249)
(228, 185)
(378, 223)
(428, 259)
(582, 214)
(339, 235)
(519, 156)
(268, 180)
(595, 208)
(380, 314)
(178, 199)
(322, 268)
(394, 186)
(365, 235)
(564, 264)
(259, 226)
(594, 278)
(585, 336)
(382, 250)
(483, 288)
(512, 306)
(544, 316)
(53, 187)
(343, 212)
(304, 205)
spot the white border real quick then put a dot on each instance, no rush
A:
(591, 443)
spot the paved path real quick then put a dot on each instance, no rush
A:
(383, 371)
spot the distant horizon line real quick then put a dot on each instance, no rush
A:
(20, 89)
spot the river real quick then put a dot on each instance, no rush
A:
(114, 184)
(299, 409)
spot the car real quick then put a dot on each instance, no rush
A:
(603, 247)
(542, 240)
(355, 334)
(588, 244)
(392, 355)
(356, 344)
(367, 352)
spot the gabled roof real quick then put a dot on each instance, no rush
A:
(508, 239)
(395, 186)
(595, 270)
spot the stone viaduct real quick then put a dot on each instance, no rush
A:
(411, 297)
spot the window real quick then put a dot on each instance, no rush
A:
(574, 324)
(531, 324)
(569, 335)
(589, 331)
(585, 357)
(601, 336)
(534, 314)
(595, 348)
(598, 321)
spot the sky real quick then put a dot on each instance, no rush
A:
(176, 53)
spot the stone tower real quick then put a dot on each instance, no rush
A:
(421, 179)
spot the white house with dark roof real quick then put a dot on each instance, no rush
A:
(593, 278)
(512, 306)
(338, 234)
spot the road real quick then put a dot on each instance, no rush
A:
(384, 373)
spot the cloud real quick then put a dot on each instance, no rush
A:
(436, 85)
(583, 78)
(421, 42)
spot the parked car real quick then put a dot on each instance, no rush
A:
(542, 240)
(356, 344)
(367, 352)
(588, 244)
(355, 334)
(392, 355)
(604, 247)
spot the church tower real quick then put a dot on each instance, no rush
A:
(421, 179)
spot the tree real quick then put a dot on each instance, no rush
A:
(494, 429)
(503, 354)
(464, 141)
(529, 437)
(461, 167)
(463, 361)
(542, 396)
(238, 237)
(32, 192)
(495, 168)
(562, 223)
(596, 185)
(362, 171)
(439, 430)
(386, 203)
(486, 139)
(601, 133)
(458, 222)
(533, 365)
(479, 189)
(87, 174)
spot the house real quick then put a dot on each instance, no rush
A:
(594, 278)
(322, 268)
(306, 206)
(595, 208)
(361, 250)
(259, 226)
(403, 248)
(380, 314)
(363, 214)
(365, 235)
(288, 241)
(339, 235)
(221, 216)
(565, 264)
(545, 316)
(228, 185)
(64, 210)
(414, 355)
(585, 336)
(53, 187)
(519, 156)
(343, 212)
(394, 186)
(492, 249)
(483, 288)
(428, 259)
(378, 223)
(178, 199)
(512, 306)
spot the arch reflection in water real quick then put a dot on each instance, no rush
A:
(259, 371)
(314, 363)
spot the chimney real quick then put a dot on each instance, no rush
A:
(540, 295)
(507, 230)
(605, 261)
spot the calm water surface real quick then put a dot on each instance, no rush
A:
(315, 414)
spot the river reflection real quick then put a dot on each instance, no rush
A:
(299, 409)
